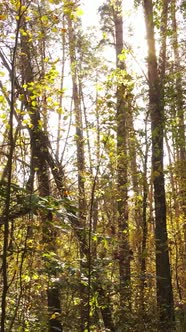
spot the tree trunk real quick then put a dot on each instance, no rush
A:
(85, 261)
(6, 212)
(39, 139)
(122, 172)
(180, 143)
(156, 104)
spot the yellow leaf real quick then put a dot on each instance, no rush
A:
(33, 103)
(55, 315)
(79, 11)
(3, 17)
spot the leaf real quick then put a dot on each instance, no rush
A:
(55, 315)
(54, 29)
(34, 103)
(3, 17)
(63, 30)
(79, 11)
(44, 19)
(2, 99)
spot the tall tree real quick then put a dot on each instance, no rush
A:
(122, 166)
(156, 106)
(38, 136)
(9, 168)
(82, 204)
(180, 137)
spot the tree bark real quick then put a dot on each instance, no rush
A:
(180, 144)
(6, 211)
(122, 171)
(85, 261)
(156, 104)
(39, 141)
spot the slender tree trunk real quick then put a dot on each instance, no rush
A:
(164, 286)
(181, 144)
(144, 225)
(85, 261)
(122, 172)
(59, 131)
(39, 141)
(9, 179)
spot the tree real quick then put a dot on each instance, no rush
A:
(156, 106)
(122, 109)
(38, 137)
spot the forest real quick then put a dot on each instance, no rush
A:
(92, 166)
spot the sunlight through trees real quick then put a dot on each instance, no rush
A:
(93, 166)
